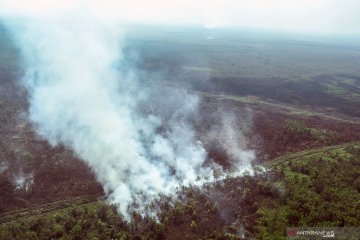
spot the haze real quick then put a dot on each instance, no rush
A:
(322, 16)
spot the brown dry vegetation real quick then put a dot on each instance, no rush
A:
(272, 129)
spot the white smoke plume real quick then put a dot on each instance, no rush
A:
(82, 97)
(228, 137)
(79, 98)
(234, 143)
(3, 167)
(23, 180)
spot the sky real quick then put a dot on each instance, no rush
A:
(315, 16)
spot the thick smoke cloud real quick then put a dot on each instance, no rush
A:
(81, 96)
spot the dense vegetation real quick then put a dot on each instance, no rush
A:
(313, 188)
(320, 189)
(212, 212)
(186, 219)
(48, 193)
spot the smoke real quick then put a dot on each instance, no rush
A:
(228, 136)
(234, 143)
(80, 98)
(23, 180)
(321, 16)
(3, 167)
(83, 94)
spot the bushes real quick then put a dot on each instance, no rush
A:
(324, 194)
(302, 195)
(299, 129)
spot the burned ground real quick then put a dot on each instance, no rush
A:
(40, 185)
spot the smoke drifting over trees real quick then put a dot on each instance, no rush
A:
(84, 95)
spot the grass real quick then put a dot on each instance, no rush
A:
(307, 153)
(343, 93)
